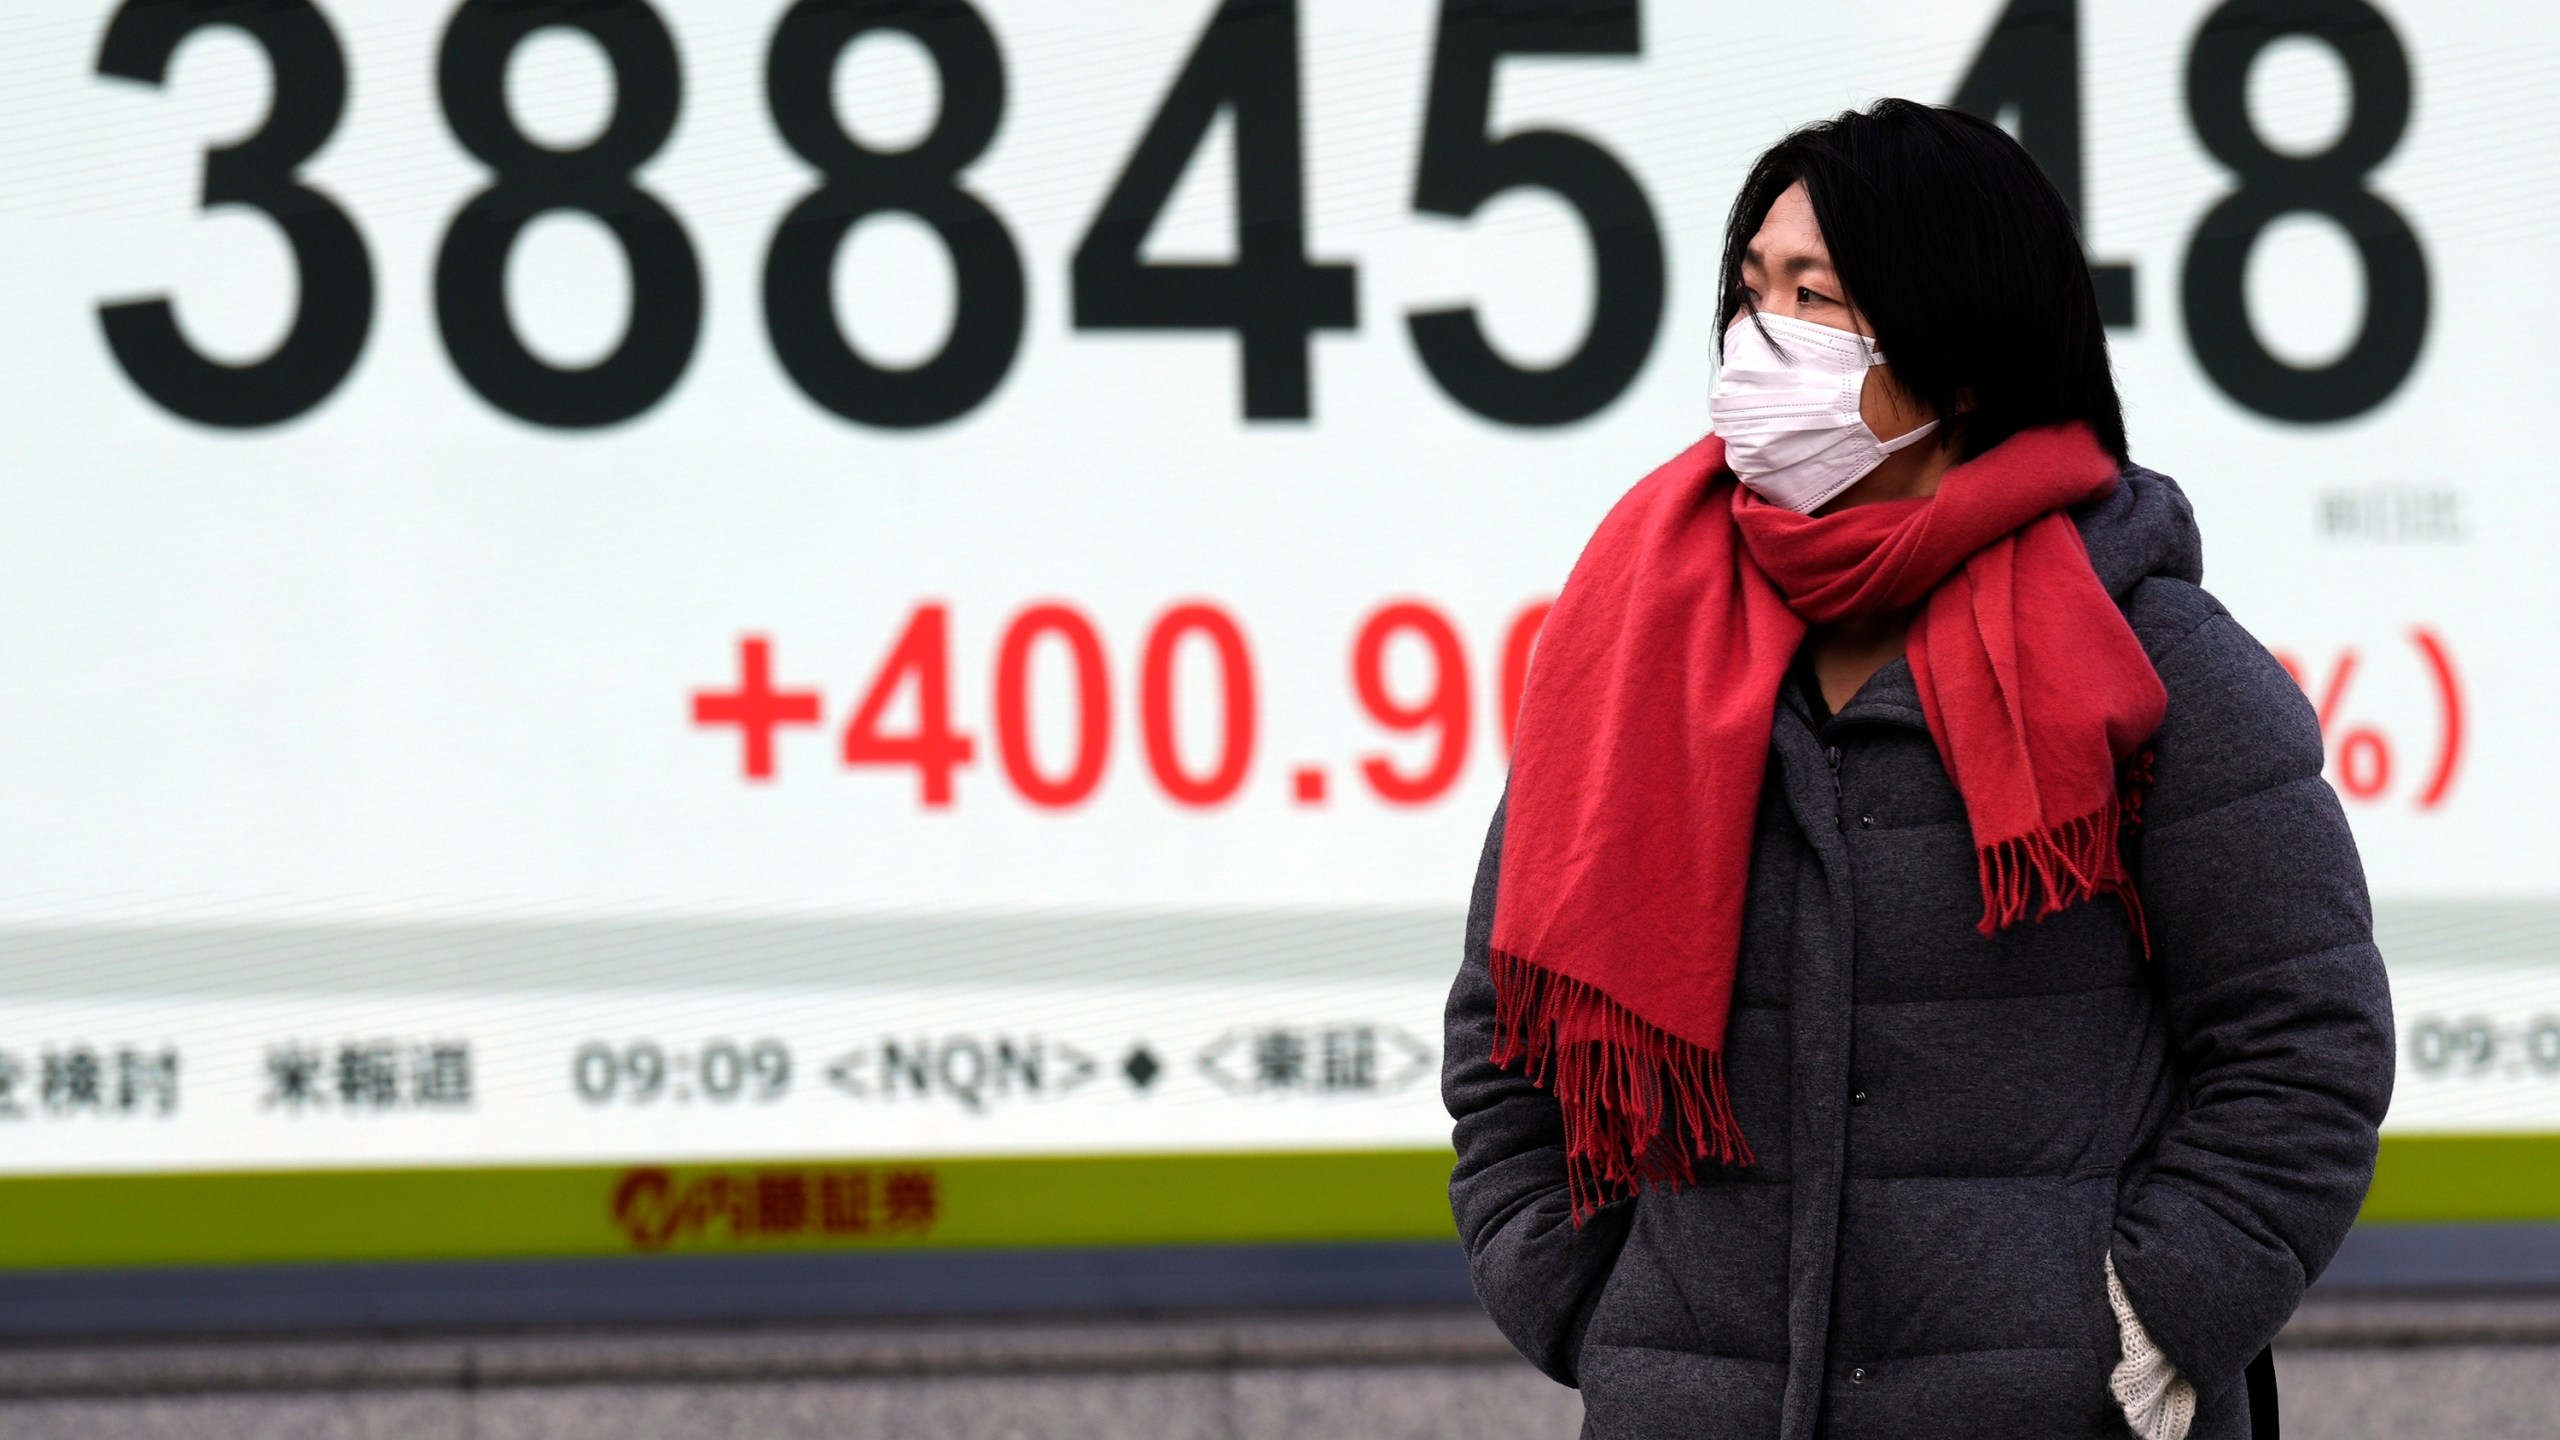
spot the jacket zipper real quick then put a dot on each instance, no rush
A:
(1839, 802)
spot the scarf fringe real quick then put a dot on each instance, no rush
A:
(1641, 1105)
(2034, 875)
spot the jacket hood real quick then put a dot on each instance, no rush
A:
(2145, 529)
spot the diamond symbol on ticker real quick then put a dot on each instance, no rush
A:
(1141, 1067)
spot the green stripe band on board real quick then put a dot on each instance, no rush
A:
(527, 1212)
(283, 1217)
(2446, 1178)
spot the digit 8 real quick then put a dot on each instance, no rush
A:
(2330, 184)
(923, 181)
(595, 179)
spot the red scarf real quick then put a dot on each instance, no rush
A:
(1645, 731)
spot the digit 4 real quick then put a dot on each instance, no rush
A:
(922, 655)
(2029, 65)
(1246, 64)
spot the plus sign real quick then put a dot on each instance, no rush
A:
(755, 707)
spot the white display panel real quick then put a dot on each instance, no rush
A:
(426, 635)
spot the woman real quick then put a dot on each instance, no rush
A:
(1918, 983)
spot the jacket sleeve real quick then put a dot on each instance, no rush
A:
(2278, 1010)
(1537, 1274)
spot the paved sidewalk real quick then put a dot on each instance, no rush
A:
(2461, 1368)
(1416, 1374)
(2446, 1368)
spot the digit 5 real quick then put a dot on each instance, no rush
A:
(1462, 168)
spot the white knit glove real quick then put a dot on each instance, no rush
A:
(2158, 1402)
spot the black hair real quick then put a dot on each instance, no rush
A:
(1962, 256)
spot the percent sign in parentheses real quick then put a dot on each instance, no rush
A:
(2362, 755)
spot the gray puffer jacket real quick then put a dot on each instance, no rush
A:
(1952, 1131)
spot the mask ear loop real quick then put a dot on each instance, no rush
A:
(1883, 449)
(1905, 440)
(1908, 438)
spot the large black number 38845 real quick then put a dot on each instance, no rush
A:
(1271, 295)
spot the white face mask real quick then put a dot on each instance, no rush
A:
(1790, 423)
